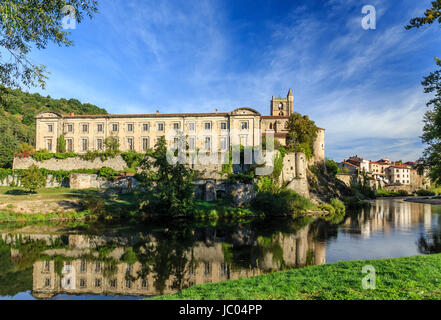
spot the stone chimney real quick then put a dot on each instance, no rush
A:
(72, 114)
(157, 111)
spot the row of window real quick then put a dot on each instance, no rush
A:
(145, 143)
(145, 127)
(98, 283)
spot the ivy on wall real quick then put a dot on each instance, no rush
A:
(60, 175)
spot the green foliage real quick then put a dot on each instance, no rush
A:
(284, 203)
(283, 151)
(425, 193)
(95, 205)
(129, 256)
(332, 167)
(25, 150)
(8, 146)
(234, 178)
(430, 16)
(112, 144)
(302, 135)
(33, 179)
(107, 173)
(219, 210)
(278, 168)
(170, 186)
(381, 193)
(338, 205)
(61, 144)
(17, 122)
(133, 159)
(327, 207)
(33, 24)
(266, 184)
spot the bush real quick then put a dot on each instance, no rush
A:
(33, 179)
(331, 167)
(425, 193)
(132, 158)
(107, 173)
(284, 203)
(327, 207)
(338, 205)
(95, 205)
(61, 144)
(266, 184)
(403, 193)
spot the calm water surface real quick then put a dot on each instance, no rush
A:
(91, 261)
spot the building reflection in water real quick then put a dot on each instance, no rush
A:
(385, 215)
(147, 265)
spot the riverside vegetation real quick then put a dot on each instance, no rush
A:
(414, 278)
(168, 190)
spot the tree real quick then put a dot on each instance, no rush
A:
(33, 179)
(171, 189)
(8, 146)
(332, 167)
(35, 23)
(432, 120)
(17, 118)
(61, 144)
(302, 134)
(112, 144)
(432, 14)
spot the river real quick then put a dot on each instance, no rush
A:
(69, 261)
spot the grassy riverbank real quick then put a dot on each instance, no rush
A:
(50, 204)
(416, 278)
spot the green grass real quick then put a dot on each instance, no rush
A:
(7, 216)
(412, 278)
(46, 198)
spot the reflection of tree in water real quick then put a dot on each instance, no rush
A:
(170, 256)
(430, 244)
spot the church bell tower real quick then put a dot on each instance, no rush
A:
(283, 107)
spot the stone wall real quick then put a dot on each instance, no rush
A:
(69, 164)
(294, 173)
(50, 182)
(87, 181)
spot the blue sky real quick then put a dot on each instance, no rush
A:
(362, 86)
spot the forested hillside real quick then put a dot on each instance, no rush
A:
(17, 123)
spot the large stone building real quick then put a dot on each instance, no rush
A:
(204, 131)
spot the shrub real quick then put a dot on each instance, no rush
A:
(33, 179)
(42, 155)
(331, 167)
(95, 205)
(284, 203)
(112, 144)
(61, 144)
(327, 207)
(266, 184)
(129, 256)
(338, 205)
(107, 173)
(25, 150)
(132, 158)
(425, 193)
(403, 193)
